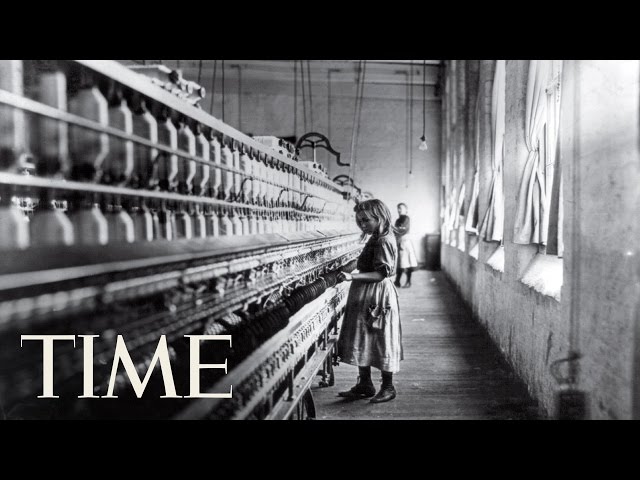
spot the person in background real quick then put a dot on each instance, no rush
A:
(407, 260)
(371, 335)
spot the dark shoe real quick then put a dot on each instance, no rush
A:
(385, 394)
(397, 284)
(361, 390)
(407, 285)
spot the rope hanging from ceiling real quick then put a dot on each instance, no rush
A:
(304, 96)
(407, 147)
(295, 98)
(310, 95)
(424, 98)
(213, 85)
(239, 97)
(353, 124)
(329, 103)
(223, 90)
(410, 118)
(355, 131)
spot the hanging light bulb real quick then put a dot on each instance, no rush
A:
(423, 145)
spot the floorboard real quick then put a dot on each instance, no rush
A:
(451, 370)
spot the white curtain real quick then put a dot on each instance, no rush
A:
(471, 225)
(459, 206)
(555, 245)
(446, 218)
(452, 216)
(459, 217)
(492, 225)
(447, 187)
(531, 222)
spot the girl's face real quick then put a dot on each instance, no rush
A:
(367, 223)
(402, 210)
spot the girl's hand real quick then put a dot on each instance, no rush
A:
(345, 277)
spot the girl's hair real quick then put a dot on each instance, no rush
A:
(378, 210)
(402, 205)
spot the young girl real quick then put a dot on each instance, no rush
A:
(407, 260)
(371, 335)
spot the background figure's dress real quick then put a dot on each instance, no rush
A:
(371, 334)
(406, 254)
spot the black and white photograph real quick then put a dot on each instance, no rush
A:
(320, 240)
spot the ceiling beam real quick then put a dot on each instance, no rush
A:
(417, 63)
(343, 71)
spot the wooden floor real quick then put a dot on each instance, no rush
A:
(450, 370)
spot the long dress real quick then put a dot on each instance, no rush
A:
(371, 334)
(406, 253)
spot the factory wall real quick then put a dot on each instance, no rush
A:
(382, 158)
(596, 310)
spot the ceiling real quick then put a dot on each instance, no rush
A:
(391, 72)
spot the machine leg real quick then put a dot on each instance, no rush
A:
(332, 377)
(308, 407)
(323, 372)
(290, 381)
(305, 408)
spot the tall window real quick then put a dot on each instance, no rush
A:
(491, 229)
(537, 209)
